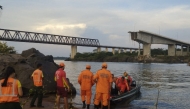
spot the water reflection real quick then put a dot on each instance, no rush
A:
(172, 79)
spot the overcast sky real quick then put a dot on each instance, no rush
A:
(106, 20)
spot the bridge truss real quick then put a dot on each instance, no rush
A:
(26, 36)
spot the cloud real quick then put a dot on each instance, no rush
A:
(62, 29)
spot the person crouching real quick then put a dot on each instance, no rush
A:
(122, 84)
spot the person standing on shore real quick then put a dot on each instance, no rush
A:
(62, 86)
(86, 82)
(10, 90)
(37, 76)
(103, 78)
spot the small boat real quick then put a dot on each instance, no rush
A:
(126, 96)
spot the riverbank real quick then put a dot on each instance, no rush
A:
(138, 59)
(129, 57)
(48, 103)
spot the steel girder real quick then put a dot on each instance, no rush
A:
(25, 36)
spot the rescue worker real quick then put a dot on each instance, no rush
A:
(128, 78)
(103, 80)
(37, 76)
(10, 90)
(62, 86)
(85, 80)
(122, 84)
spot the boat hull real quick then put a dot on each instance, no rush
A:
(126, 96)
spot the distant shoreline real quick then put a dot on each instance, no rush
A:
(60, 58)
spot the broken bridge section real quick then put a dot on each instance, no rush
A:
(148, 38)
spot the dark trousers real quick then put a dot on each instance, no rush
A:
(38, 93)
(114, 91)
(10, 105)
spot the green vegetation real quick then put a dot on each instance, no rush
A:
(60, 58)
(4, 48)
(159, 51)
(158, 55)
(104, 56)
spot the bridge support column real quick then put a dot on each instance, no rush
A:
(113, 51)
(119, 50)
(181, 50)
(171, 50)
(106, 49)
(98, 49)
(139, 50)
(146, 49)
(124, 50)
(187, 49)
(130, 51)
(73, 51)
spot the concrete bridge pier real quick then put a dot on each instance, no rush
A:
(171, 49)
(98, 49)
(130, 51)
(187, 49)
(181, 50)
(146, 49)
(106, 49)
(119, 50)
(124, 50)
(139, 52)
(73, 51)
(113, 51)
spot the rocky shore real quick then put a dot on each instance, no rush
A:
(25, 63)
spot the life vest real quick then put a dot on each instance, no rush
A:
(10, 92)
(119, 81)
(37, 77)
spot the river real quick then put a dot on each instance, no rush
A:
(173, 81)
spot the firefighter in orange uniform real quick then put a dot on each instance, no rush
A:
(103, 78)
(85, 80)
(37, 76)
(10, 90)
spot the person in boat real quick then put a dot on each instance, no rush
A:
(86, 82)
(103, 80)
(122, 84)
(128, 78)
(114, 90)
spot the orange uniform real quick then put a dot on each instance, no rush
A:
(10, 92)
(122, 84)
(85, 80)
(37, 77)
(104, 79)
(129, 80)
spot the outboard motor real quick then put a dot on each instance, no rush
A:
(133, 84)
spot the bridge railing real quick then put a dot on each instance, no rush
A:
(25, 36)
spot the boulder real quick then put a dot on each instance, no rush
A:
(25, 64)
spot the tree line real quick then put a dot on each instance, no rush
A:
(4, 48)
